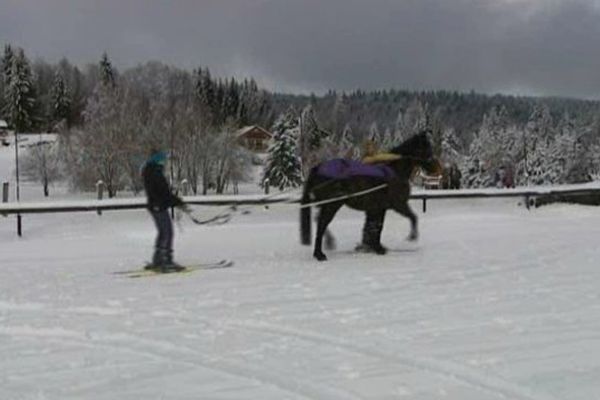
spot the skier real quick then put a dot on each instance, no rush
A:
(160, 199)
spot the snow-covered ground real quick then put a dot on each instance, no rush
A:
(494, 302)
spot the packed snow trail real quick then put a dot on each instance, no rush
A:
(494, 302)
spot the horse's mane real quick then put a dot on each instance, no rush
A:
(409, 145)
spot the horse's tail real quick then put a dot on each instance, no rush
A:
(305, 213)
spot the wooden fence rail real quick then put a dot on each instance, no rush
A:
(238, 200)
(528, 194)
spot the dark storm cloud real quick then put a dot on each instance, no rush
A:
(519, 46)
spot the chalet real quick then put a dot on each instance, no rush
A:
(3, 132)
(3, 128)
(254, 138)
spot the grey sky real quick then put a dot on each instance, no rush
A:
(539, 47)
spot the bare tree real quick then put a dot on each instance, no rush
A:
(133, 151)
(42, 163)
(224, 152)
(194, 147)
(101, 144)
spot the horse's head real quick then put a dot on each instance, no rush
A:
(418, 148)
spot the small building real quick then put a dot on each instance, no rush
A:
(4, 133)
(254, 138)
(3, 128)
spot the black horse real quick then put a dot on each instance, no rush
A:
(373, 195)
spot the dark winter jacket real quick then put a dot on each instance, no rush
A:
(157, 188)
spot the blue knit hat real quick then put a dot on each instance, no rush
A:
(158, 157)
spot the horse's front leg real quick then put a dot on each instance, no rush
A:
(404, 209)
(326, 215)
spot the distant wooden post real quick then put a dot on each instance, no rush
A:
(267, 186)
(424, 205)
(184, 187)
(5, 193)
(100, 188)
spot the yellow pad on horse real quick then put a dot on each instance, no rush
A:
(381, 157)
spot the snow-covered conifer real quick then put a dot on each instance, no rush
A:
(61, 100)
(450, 147)
(346, 146)
(107, 74)
(283, 169)
(19, 96)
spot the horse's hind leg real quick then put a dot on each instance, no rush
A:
(326, 215)
(329, 239)
(371, 235)
(330, 243)
(404, 209)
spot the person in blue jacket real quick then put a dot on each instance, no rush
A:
(160, 200)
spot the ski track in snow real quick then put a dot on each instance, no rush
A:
(459, 373)
(174, 354)
(260, 315)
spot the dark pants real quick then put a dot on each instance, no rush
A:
(371, 236)
(163, 247)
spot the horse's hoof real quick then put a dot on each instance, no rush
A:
(413, 238)
(380, 250)
(367, 248)
(320, 257)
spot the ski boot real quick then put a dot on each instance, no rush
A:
(169, 265)
(162, 261)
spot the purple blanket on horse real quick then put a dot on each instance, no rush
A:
(343, 169)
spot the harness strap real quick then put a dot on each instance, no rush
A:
(344, 197)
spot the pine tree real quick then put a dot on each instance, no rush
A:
(233, 97)
(450, 147)
(400, 131)
(226, 101)
(474, 169)
(19, 94)
(387, 140)
(246, 100)
(374, 134)
(346, 145)
(205, 91)
(415, 119)
(61, 101)
(436, 129)
(311, 140)
(311, 131)
(486, 154)
(5, 65)
(218, 109)
(256, 104)
(107, 75)
(77, 90)
(535, 147)
(198, 88)
(574, 152)
(282, 168)
(339, 113)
